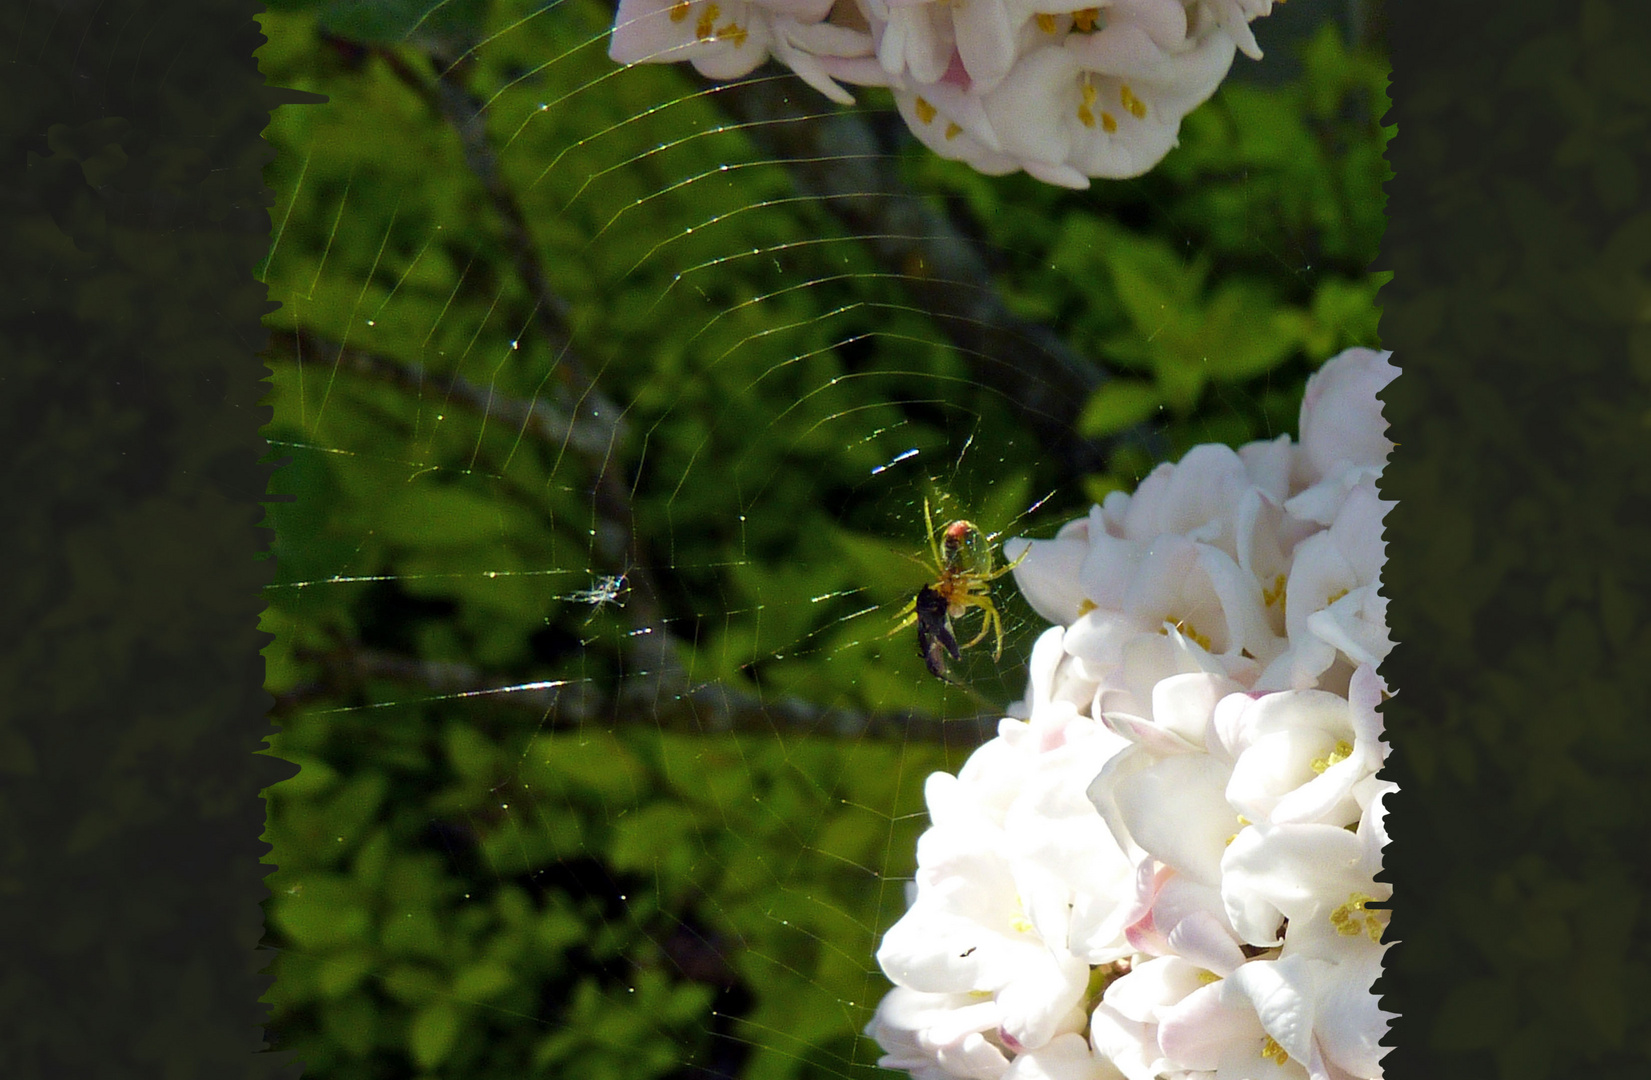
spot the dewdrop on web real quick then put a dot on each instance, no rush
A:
(1061, 90)
(1165, 863)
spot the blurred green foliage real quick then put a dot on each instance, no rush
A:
(478, 883)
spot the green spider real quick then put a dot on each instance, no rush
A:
(958, 587)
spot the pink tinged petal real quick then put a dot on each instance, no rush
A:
(1176, 809)
(985, 40)
(1204, 939)
(1146, 734)
(1186, 919)
(1065, 1057)
(1341, 417)
(1200, 1029)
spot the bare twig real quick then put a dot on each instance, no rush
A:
(708, 708)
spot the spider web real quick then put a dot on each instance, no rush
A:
(610, 401)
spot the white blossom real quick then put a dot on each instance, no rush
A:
(1165, 865)
(1067, 90)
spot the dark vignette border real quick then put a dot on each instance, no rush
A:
(132, 707)
(1520, 549)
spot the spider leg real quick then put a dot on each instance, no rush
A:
(985, 624)
(909, 620)
(934, 539)
(1000, 571)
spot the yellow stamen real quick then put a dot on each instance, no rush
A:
(735, 31)
(952, 130)
(1085, 606)
(1205, 978)
(1333, 597)
(1086, 113)
(1108, 124)
(1134, 105)
(925, 111)
(1340, 752)
(1351, 918)
(1084, 19)
(679, 10)
(1272, 1051)
(1188, 631)
(707, 21)
(1046, 22)
(1276, 593)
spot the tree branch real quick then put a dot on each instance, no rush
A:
(616, 539)
(706, 709)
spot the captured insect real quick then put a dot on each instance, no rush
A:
(963, 572)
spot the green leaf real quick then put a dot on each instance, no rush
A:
(342, 972)
(432, 1033)
(482, 981)
(322, 912)
(1118, 404)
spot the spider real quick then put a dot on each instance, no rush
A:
(961, 583)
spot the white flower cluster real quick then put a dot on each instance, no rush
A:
(1164, 868)
(1064, 89)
